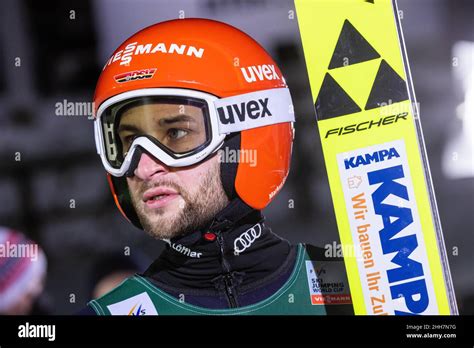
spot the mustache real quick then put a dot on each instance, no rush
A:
(161, 183)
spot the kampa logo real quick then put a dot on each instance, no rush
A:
(259, 72)
(135, 75)
(253, 109)
(368, 158)
(399, 241)
(137, 311)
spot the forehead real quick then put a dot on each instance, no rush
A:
(160, 110)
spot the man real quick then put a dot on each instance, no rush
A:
(194, 125)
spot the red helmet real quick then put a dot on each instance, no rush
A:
(244, 101)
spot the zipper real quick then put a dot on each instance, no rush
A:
(229, 291)
(229, 287)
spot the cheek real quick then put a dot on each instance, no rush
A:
(136, 187)
(187, 178)
(132, 185)
(192, 177)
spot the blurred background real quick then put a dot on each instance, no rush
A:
(53, 186)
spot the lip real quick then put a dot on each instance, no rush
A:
(169, 195)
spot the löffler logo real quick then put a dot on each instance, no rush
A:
(184, 250)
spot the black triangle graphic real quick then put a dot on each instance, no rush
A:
(333, 100)
(388, 87)
(351, 48)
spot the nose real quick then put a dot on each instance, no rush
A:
(148, 167)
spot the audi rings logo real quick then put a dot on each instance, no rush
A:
(246, 239)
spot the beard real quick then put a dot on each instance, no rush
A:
(196, 209)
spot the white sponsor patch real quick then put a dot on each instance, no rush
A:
(140, 304)
(386, 230)
(327, 283)
(256, 109)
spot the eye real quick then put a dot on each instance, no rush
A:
(129, 138)
(176, 133)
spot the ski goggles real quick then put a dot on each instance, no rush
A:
(179, 127)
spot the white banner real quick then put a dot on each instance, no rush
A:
(386, 230)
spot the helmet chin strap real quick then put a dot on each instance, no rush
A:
(230, 215)
(229, 169)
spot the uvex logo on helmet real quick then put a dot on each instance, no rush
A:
(259, 72)
(253, 109)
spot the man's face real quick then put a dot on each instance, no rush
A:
(171, 201)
